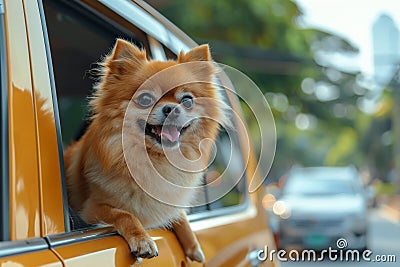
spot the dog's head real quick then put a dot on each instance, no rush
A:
(172, 103)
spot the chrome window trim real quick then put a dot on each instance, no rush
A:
(172, 28)
(142, 16)
(156, 49)
(213, 213)
(4, 175)
(10, 248)
(68, 238)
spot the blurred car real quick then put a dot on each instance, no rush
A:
(320, 205)
(46, 48)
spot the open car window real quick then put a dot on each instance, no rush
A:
(77, 36)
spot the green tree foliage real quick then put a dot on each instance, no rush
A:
(314, 102)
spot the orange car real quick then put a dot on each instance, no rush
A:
(46, 50)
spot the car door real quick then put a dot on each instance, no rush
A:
(21, 242)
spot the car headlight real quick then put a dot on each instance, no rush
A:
(281, 209)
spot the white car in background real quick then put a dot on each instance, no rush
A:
(320, 205)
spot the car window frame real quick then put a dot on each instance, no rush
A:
(147, 19)
(4, 190)
(11, 248)
(67, 227)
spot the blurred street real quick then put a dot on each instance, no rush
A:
(384, 235)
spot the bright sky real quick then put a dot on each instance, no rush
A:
(352, 19)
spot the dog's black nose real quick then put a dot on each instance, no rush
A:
(171, 110)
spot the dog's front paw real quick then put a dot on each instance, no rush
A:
(196, 254)
(143, 247)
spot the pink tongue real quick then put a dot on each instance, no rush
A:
(170, 132)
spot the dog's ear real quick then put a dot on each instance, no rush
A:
(125, 56)
(204, 69)
(200, 53)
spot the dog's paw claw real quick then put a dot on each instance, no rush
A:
(143, 248)
(138, 261)
(196, 254)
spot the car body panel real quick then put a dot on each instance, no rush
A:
(24, 207)
(44, 258)
(108, 251)
(103, 247)
(235, 242)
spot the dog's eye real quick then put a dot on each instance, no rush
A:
(187, 101)
(145, 100)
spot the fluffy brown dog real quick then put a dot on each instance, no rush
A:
(173, 112)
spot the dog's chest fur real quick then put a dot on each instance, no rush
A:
(127, 195)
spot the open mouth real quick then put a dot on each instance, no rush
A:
(167, 135)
